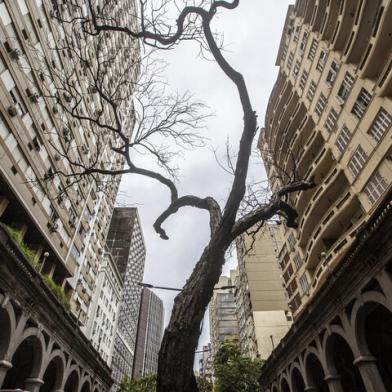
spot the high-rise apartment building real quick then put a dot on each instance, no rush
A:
(222, 312)
(104, 311)
(126, 244)
(262, 308)
(206, 363)
(329, 119)
(59, 225)
(149, 334)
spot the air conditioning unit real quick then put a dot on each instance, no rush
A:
(53, 226)
(100, 251)
(57, 157)
(12, 111)
(55, 109)
(339, 100)
(15, 54)
(67, 98)
(34, 98)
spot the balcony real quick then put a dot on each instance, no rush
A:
(365, 20)
(346, 22)
(320, 204)
(337, 219)
(331, 21)
(318, 15)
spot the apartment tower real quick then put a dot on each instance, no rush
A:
(222, 312)
(53, 227)
(149, 334)
(329, 119)
(262, 308)
(126, 244)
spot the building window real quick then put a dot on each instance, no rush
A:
(357, 161)
(311, 91)
(296, 69)
(297, 260)
(312, 50)
(304, 283)
(290, 59)
(361, 103)
(19, 105)
(380, 125)
(304, 78)
(291, 241)
(330, 122)
(332, 73)
(322, 101)
(375, 187)
(304, 41)
(297, 32)
(343, 139)
(345, 88)
(321, 60)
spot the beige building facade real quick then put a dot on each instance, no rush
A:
(60, 224)
(262, 307)
(329, 119)
(222, 313)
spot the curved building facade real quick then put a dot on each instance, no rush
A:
(329, 119)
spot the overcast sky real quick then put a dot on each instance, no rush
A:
(252, 34)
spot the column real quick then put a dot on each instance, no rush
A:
(334, 383)
(33, 384)
(4, 366)
(369, 372)
(311, 388)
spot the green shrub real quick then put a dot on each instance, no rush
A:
(58, 291)
(30, 254)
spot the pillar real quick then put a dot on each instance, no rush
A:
(334, 383)
(33, 384)
(369, 372)
(4, 366)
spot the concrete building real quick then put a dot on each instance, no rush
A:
(59, 227)
(103, 317)
(222, 313)
(262, 308)
(149, 334)
(206, 369)
(126, 244)
(330, 113)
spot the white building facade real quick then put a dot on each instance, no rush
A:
(102, 323)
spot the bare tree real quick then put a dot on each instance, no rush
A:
(176, 118)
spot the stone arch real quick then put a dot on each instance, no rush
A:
(71, 381)
(53, 373)
(297, 379)
(7, 322)
(340, 361)
(274, 387)
(314, 371)
(85, 385)
(373, 329)
(284, 384)
(26, 359)
(360, 313)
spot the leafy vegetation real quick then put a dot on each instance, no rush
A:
(204, 385)
(31, 254)
(58, 291)
(235, 372)
(148, 383)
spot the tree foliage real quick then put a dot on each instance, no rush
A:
(148, 383)
(203, 384)
(235, 372)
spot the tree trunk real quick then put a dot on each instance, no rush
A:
(176, 356)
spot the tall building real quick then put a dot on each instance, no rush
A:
(329, 118)
(149, 334)
(262, 307)
(126, 244)
(222, 313)
(206, 363)
(104, 311)
(54, 230)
